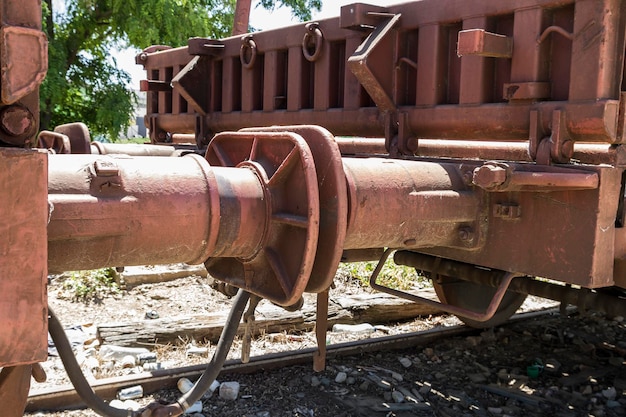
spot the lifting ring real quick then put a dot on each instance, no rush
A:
(247, 58)
(313, 33)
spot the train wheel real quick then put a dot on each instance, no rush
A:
(476, 297)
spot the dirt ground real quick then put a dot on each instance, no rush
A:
(482, 375)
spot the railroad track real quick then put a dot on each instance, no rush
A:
(65, 397)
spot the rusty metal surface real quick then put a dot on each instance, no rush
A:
(498, 133)
(23, 245)
(100, 148)
(18, 122)
(585, 153)
(23, 63)
(620, 258)
(266, 202)
(395, 203)
(54, 142)
(78, 135)
(486, 80)
(14, 386)
(415, 74)
(564, 235)
(332, 199)
(118, 210)
(501, 177)
(24, 57)
(278, 264)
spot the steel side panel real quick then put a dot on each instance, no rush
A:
(568, 236)
(591, 107)
(23, 256)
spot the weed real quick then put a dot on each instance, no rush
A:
(93, 285)
(394, 276)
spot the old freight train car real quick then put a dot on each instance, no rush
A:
(481, 141)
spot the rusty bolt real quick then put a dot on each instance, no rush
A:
(489, 176)
(17, 121)
(466, 234)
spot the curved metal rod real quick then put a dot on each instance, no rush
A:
(449, 308)
(407, 61)
(94, 402)
(555, 29)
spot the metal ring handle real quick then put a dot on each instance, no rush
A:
(247, 43)
(312, 34)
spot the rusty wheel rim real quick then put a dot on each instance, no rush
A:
(476, 297)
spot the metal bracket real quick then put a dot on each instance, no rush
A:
(157, 135)
(203, 133)
(205, 47)
(333, 201)
(359, 16)
(321, 326)
(479, 42)
(249, 323)
(372, 60)
(14, 384)
(463, 312)
(27, 52)
(78, 135)
(399, 139)
(495, 176)
(558, 147)
(562, 146)
(192, 83)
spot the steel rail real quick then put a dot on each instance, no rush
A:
(65, 397)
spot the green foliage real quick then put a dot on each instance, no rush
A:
(393, 276)
(135, 140)
(301, 8)
(83, 81)
(92, 285)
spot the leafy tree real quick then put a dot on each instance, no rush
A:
(301, 8)
(83, 82)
